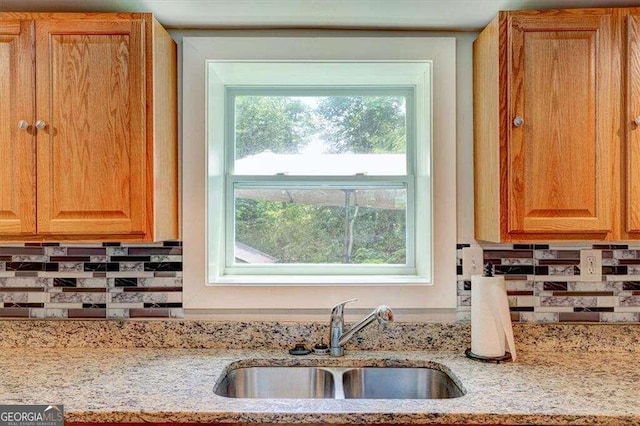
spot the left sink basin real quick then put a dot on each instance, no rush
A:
(277, 382)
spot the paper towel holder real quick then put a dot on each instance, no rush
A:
(492, 359)
(489, 271)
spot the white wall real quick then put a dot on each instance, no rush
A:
(464, 102)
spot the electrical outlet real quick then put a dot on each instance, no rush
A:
(590, 265)
(472, 262)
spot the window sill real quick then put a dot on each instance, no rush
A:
(310, 280)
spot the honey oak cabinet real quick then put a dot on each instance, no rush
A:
(88, 134)
(17, 154)
(547, 135)
(631, 124)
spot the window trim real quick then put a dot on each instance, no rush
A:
(224, 74)
(199, 297)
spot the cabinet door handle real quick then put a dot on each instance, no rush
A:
(23, 125)
(40, 124)
(637, 121)
(518, 121)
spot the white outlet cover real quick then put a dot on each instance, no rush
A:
(585, 256)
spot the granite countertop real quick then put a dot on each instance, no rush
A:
(176, 385)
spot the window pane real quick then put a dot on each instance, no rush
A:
(320, 225)
(320, 135)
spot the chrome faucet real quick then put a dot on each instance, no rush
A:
(382, 314)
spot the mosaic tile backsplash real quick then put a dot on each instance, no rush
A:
(133, 280)
(101, 280)
(543, 283)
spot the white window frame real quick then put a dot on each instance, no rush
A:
(219, 264)
(293, 293)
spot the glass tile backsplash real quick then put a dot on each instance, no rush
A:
(144, 280)
(543, 283)
(100, 280)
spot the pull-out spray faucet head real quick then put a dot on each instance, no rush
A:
(383, 314)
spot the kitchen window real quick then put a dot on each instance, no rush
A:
(318, 182)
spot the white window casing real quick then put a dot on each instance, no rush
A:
(212, 63)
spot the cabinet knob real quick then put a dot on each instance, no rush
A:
(518, 121)
(23, 125)
(40, 124)
(637, 121)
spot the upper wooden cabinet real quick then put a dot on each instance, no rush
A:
(17, 154)
(88, 134)
(631, 124)
(547, 126)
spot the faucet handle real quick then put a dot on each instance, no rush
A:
(341, 304)
(337, 313)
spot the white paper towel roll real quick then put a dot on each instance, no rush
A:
(490, 317)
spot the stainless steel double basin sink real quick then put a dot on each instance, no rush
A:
(338, 383)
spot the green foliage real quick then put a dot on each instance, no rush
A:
(379, 236)
(279, 124)
(302, 233)
(364, 125)
(357, 124)
(290, 232)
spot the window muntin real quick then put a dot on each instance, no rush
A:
(320, 180)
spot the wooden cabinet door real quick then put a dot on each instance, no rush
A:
(90, 92)
(560, 155)
(632, 127)
(17, 146)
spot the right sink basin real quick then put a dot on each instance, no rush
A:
(398, 383)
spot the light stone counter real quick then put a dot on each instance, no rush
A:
(176, 385)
